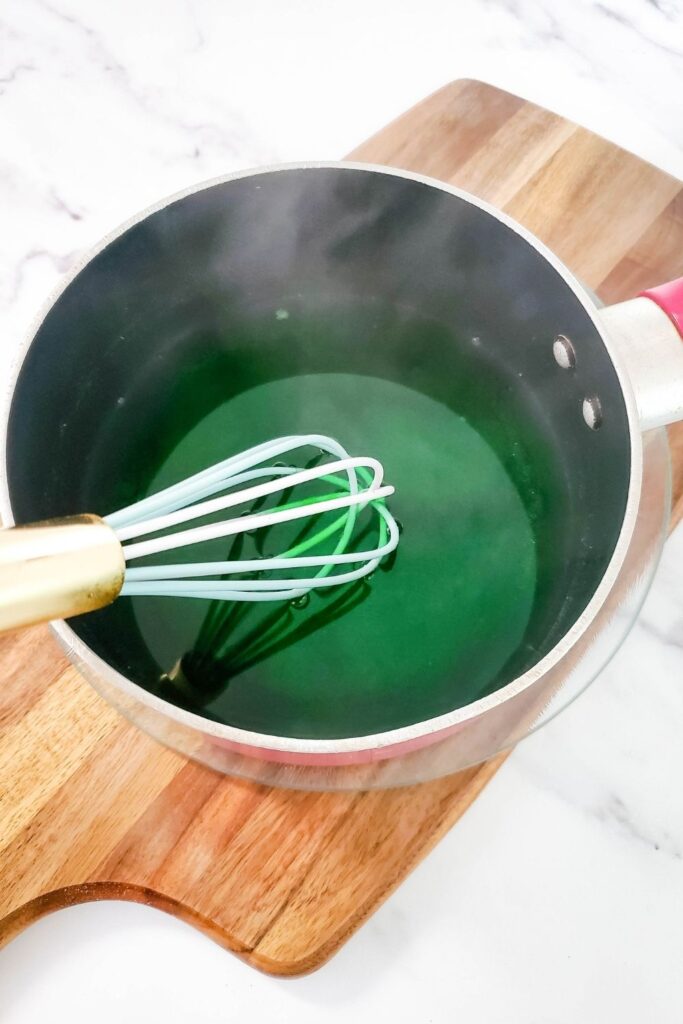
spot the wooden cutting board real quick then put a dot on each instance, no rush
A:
(92, 809)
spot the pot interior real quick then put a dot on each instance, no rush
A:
(410, 325)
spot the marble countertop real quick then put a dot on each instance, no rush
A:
(559, 896)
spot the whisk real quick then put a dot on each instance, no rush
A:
(65, 567)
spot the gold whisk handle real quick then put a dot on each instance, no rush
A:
(58, 568)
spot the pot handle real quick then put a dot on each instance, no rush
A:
(647, 333)
(669, 297)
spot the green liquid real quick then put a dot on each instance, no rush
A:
(432, 631)
(460, 610)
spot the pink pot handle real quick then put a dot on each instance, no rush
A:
(669, 297)
(649, 344)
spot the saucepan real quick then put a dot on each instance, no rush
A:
(519, 423)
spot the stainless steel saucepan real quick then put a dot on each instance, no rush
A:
(363, 272)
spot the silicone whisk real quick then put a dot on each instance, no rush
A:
(65, 567)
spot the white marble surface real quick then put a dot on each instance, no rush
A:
(559, 897)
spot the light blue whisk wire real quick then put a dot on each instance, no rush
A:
(212, 490)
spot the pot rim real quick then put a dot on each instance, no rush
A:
(418, 733)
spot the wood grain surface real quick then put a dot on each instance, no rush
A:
(91, 809)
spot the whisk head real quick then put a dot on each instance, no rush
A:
(323, 558)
